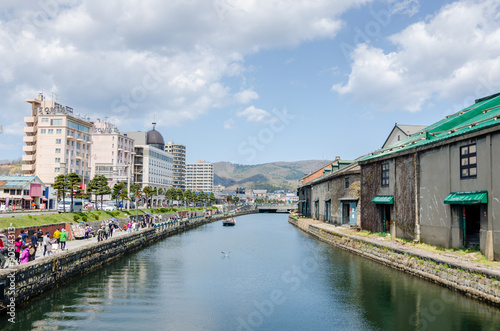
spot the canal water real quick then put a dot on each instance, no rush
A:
(274, 278)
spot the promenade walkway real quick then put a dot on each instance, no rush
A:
(468, 260)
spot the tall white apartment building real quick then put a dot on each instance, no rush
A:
(57, 140)
(200, 176)
(112, 153)
(179, 163)
(152, 165)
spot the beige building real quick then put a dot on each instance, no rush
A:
(57, 140)
(200, 176)
(179, 164)
(112, 153)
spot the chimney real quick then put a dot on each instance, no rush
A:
(337, 158)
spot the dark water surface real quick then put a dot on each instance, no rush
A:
(275, 278)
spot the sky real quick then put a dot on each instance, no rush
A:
(249, 81)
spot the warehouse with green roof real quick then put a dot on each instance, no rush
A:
(438, 185)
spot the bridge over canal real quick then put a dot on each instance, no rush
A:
(272, 208)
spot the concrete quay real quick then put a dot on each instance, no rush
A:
(458, 272)
(22, 283)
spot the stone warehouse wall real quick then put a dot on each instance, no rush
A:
(479, 283)
(24, 282)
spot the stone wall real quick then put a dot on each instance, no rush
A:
(482, 284)
(24, 282)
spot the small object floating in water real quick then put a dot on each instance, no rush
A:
(229, 222)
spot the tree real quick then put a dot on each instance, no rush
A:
(119, 191)
(74, 182)
(148, 193)
(229, 198)
(61, 185)
(99, 187)
(171, 194)
(211, 198)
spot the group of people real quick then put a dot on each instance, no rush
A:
(25, 247)
(105, 231)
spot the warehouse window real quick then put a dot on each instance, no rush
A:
(468, 161)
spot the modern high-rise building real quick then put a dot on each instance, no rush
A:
(57, 140)
(152, 165)
(112, 153)
(200, 176)
(179, 171)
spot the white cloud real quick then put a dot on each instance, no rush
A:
(229, 124)
(253, 114)
(246, 96)
(129, 59)
(406, 7)
(453, 55)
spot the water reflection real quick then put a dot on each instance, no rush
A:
(276, 278)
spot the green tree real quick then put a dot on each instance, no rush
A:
(74, 182)
(148, 193)
(170, 194)
(99, 187)
(229, 199)
(61, 185)
(211, 198)
(119, 192)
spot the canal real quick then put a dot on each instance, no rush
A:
(274, 278)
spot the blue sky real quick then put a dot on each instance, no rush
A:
(250, 81)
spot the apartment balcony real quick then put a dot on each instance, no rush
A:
(29, 139)
(28, 167)
(30, 119)
(28, 158)
(29, 129)
(29, 149)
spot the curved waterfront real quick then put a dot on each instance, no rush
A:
(275, 278)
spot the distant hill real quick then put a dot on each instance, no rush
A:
(10, 167)
(269, 176)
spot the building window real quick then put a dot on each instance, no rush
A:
(468, 161)
(58, 141)
(346, 181)
(51, 131)
(57, 121)
(58, 151)
(58, 160)
(57, 170)
(385, 174)
(43, 131)
(59, 131)
(45, 120)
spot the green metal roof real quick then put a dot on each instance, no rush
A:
(483, 114)
(383, 200)
(17, 182)
(467, 198)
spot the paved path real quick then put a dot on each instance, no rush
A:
(465, 260)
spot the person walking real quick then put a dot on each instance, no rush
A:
(18, 243)
(129, 226)
(24, 237)
(32, 251)
(87, 232)
(100, 234)
(25, 255)
(57, 236)
(62, 239)
(34, 243)
(47, 245)
(39, 236)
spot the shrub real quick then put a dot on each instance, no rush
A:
(75, 218)
(84, 218)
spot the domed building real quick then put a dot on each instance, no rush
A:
(153, 166)
(155, 139)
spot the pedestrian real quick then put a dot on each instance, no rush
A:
(87, 232)
(47, 244)
(24, 237)
(62, 239)
(134, 226)
(34, 243)
(32, 251)
(39, 236)
(25, 255)
(57, 236)
(129, 226)
(111, 228)
(106, 231)
(18, 243)
(100, 234)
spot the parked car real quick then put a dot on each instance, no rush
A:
(108, 206)
(66, 206)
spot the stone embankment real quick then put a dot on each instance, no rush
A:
(20, 284)
(468, 278)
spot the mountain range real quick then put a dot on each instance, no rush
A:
(270, 176)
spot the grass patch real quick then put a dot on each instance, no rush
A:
(41, 219)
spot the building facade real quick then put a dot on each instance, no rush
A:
(112, 153)
(200, 176)
(438, 186)
(179, 164)
(153, 166)
(58, 141)
(23, 192)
